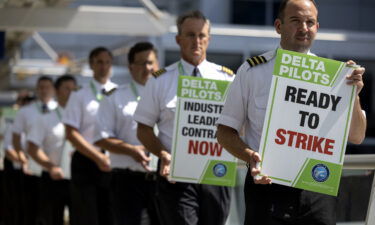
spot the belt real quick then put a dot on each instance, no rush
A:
(149, 176)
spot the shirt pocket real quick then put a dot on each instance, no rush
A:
(258, 109)
(170, 109)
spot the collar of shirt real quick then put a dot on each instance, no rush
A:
(107, 86)
(308, 52)
(136, 89)
(51, 104)
(188, 68)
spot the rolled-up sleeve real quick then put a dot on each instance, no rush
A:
(19, 125)
(73, 113)
(234, 111)
(148, 109)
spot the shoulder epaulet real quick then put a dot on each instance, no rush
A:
(256, 60)
(108, 93)
(159, 72)
(227, 70)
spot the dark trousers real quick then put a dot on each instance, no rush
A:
(2, 205)
(281, 205)
(31, 199)
(13, 195)
(133, 197)
(90, 194)
(192, 204)
(54, 196)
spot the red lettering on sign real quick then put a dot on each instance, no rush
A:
(304, 141)
(204, 148)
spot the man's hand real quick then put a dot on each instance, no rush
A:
(255, 171)
(56, 173)
(25, 169)
(356, 77)
(138, 154)
(165, 163)
(104, 163)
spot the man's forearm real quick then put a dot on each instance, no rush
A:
(16, 141)
(12, 155)
(115, 145)
(39, 156)
(81, 145)
(358, 124)
(231, 141)
(148, 138)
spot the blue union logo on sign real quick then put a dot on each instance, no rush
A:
(320, 172)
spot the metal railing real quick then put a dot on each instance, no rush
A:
(364, 162)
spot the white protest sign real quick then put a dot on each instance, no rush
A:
(197, 157)
(307, 122)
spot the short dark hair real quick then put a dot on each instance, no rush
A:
(280, 13)
(140, 47)
(64, 78)
(96, 51)
(44, 78)
(196, 14)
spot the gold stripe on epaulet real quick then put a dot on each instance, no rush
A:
(227, 70)
(256, 60)
(108, 93)
(159, 72)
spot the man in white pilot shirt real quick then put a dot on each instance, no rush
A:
(47, 146)
(90, 166)
(132, 186)
(181, 203)
(22, 125)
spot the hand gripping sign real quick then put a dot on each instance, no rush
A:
(307, 122)
(197, 157)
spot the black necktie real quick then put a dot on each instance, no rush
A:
(195, 72)
(44, 108)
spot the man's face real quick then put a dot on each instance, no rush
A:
(45, 90)
(65, 89)
(101, 65)
(299, 26)
(145, 63)
(193, 40)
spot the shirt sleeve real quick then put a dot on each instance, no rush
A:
(8, 145)
(234, 111)
(37, 131)
(72, 114)
(105, 119)
(19, 124)
(148, 109)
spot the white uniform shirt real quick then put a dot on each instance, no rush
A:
(158, 101)
(27, 114)
(24, 122)
(115, 119)
(49, 135)
(247, 99)
(82, 107)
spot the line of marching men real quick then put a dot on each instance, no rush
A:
(93, 146)
(80, 148)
